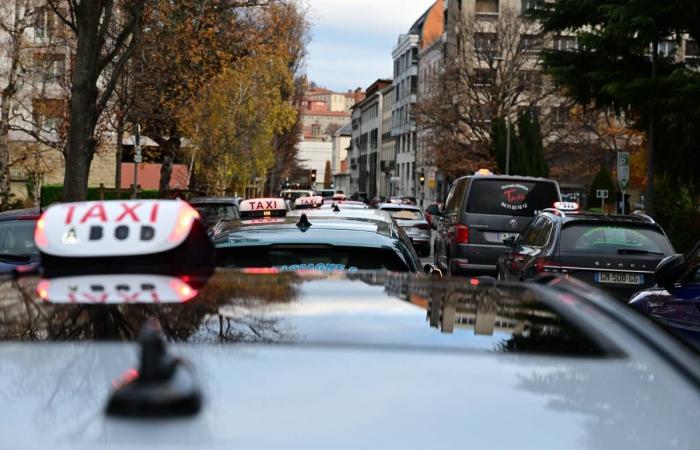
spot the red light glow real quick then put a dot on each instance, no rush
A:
(40, 233)
(474, 282)
(184, 291)
(42, 289)
(183, 225)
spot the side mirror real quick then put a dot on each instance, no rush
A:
(433, 210)
(669, 270)
(509, 242)
(432, 270)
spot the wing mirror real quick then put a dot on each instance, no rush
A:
(669, 270)
(432, 270)
(509, 242)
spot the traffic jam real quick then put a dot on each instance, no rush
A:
(311, 320)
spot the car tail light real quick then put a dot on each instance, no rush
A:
(542, 265)
(462, 234)
(423, 226)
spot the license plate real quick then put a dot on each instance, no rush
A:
(619, 278)
(504, 236)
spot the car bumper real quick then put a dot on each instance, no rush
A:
(460, 265)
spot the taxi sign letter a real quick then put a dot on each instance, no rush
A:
(97, 211)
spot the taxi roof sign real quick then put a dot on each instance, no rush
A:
(261, 208)
(567, 206)
(483, 172)
(114, 228)
(308, 202)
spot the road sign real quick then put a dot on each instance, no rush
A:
(602, 193)
(623, 169)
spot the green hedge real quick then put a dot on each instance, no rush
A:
(52, 194)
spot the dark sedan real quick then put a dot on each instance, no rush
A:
(17, 249)
(615, 253)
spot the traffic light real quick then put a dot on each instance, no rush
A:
(313, 176)
(421, 178)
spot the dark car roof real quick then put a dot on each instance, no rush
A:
(27, 213)
(508, 177)
(353, 232)
(589, 217)
(214, 201)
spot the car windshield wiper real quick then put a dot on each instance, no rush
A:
(631, 251)
(14, 257)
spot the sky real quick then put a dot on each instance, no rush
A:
(351, 40)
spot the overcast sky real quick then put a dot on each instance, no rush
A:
(351, 40)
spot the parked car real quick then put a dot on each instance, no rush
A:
(432, 212)
(17, 248)
(615, 253)
(675, 300)
(215, 209)
(480, 212)
(413, 222)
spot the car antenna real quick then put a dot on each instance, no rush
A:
(304, 223)
(336, 208)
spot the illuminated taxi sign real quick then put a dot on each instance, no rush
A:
(567, 206)
(262, 208)
(114, 228)
(308, 202)
(115, 289)
(484, 172)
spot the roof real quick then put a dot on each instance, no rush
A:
(366, 361)
(149, 176)
(214, 200)
(584, 216)
(345, 130)
(434, 25)
(26, 213)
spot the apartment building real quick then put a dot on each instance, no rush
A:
(367, 121)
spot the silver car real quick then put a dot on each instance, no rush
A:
(412, 220)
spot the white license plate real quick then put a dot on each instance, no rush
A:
(619, 278)
(504, 236)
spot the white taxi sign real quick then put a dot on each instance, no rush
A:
(308, 202)
(261, 208)
(567, 206)
(115, 289)
(114, 228)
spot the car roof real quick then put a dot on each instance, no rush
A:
(369, 361)
(590, 217)
(385, 206)
(369, 214)
(508, 178)
(356, 232)
(27, 213)
(214, 200)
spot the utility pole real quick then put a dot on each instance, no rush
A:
(138, 158)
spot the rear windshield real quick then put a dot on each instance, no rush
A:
(213, 213)
(17, 238)
(613, 239)
(511, 198)
(405, 214)
(320, 258)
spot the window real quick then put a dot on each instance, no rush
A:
(486, 7)
(374, 139)
(668, 48)
(692, 50)
(530, 43)
(530, 79)
(565, 43)
(316, 130)
(511, 198)
(530, 5)
(49, 67)
(40, 23)
(455, 197)
(484, 77)
(485, 42)
(613, 239)
(560, 114)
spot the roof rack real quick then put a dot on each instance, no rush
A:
(643, 216)
(555, 211)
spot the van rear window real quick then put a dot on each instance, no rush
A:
(511, 198)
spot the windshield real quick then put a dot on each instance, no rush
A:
(613, 239)
(405, 214)
(17, 238)
(511, 198)
(213, 212)
(320, 258)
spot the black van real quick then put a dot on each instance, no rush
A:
(483, 210)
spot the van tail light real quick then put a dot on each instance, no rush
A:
(462, 234)
(545, 265)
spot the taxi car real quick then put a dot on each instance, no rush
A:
(411, 219)
(140, 358)
(215, 209)
(615, 252)
(675, 300)
(268, 238)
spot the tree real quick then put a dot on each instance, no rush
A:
(106, 33)
(328, 176)
(602, 181)
(531, 159)
(619, 64)
(492, 69)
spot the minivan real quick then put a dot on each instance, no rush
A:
(483, 210)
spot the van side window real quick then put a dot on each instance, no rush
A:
(543, 233)
(454, 200)
(529, 237)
